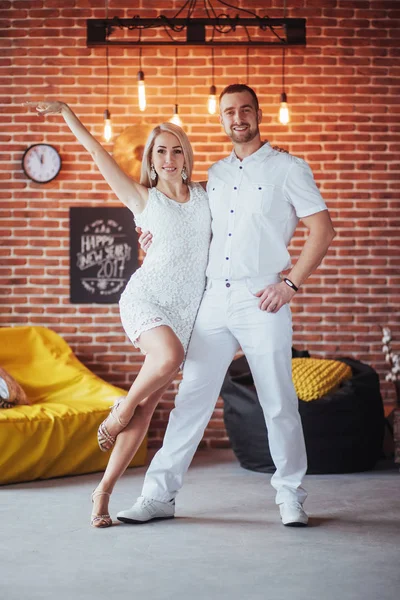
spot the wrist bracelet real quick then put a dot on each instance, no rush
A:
(290, 284)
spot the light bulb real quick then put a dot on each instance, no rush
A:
(107, 134)
(284, 116)
(212, 100)
(141, 91)
(175, 117)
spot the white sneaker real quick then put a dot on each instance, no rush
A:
(147, 509)
(293, 515)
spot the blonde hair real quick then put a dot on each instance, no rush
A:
(187, 150)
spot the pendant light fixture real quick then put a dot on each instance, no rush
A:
(107, 132)
(212, 98)
(175, 117)
(284, 114)
(141, 85)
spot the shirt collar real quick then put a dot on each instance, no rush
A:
(259, 155)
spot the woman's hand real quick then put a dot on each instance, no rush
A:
(47, 107)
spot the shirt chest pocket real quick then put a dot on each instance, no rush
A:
(217, 198)
(258, 198)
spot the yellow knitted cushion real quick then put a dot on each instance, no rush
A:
(315, 377)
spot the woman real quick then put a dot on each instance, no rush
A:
(160, 302)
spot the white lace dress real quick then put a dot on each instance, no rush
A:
(168, 287)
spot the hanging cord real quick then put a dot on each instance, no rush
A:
(177, 28)
(250, 12)
(108, 77)
(283, 51)
(260, 19)
(220, 27)
(176, 75)
(107, 59)
(192, 6)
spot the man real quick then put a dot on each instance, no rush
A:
(257, 195)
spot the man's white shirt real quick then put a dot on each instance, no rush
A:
(255, 205)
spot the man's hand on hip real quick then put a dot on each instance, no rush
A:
(145, 239)
(274, 296)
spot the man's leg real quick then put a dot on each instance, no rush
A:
(266, 340)
(272, 375)
(211, 350)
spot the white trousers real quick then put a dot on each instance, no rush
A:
(229, 318)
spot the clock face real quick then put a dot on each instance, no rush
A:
(41, 163)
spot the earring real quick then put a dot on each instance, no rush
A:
(153, 174)
(184, 174)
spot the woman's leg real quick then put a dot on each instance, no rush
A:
(126, 446)
(164, 354)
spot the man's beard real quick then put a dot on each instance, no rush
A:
(244, 136)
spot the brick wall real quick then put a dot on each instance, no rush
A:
(343, 90)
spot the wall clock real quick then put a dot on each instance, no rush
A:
(41, 163)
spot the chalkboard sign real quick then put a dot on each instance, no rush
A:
(103, 253)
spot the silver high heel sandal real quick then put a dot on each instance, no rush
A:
(100, 521)
(105, 440)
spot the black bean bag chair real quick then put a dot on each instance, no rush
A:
(343, 430)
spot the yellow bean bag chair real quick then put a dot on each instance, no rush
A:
(56, 434)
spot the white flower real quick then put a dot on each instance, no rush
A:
(390, 357)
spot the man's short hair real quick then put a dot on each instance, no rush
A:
(236, 88)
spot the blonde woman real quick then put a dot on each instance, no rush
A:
(160, 302)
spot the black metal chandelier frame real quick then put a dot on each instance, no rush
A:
(292, 32)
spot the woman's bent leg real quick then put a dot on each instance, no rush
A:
(164, 355)
(126, 446)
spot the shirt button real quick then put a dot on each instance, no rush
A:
(229, 234)
(240, 167)
(227, 258)
(232, 211)
(260, 188)
(228, 285)
(235, 188)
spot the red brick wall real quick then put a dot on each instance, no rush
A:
(343, 90)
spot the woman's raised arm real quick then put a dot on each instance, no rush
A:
(132, 194)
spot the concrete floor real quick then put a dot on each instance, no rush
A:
(226, 542)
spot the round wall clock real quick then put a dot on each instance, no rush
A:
(41, 163)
